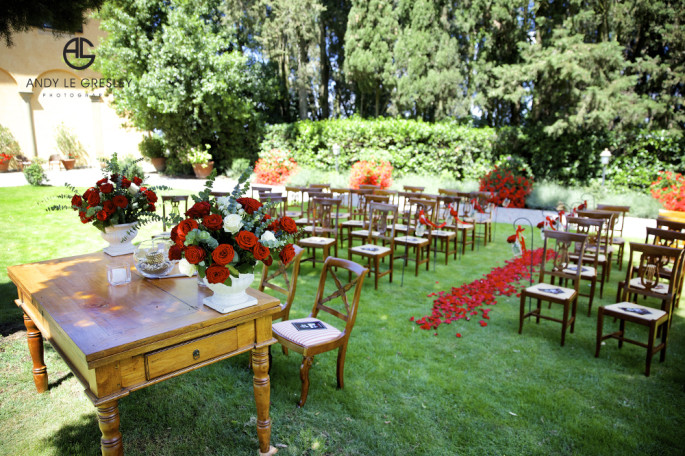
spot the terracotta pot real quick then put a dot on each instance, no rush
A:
(4, 166)
(159, 163)
(69, 163)
(203, 170)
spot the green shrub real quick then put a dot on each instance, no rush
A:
(68, 143)
(130, 167)
(152, 147)
(8, 145)
(237, 167)
(34, 173)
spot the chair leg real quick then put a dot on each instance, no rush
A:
(341, 366)
(592, 295)
(622, 332)
(600, 327)
(304, 376)
(564, 323)
(650, 348)
(376, 266)
(521, 311)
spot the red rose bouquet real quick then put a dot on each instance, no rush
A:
(4, 158)
(221, 238)
(114, 200)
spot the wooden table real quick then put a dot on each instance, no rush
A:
(120, 339)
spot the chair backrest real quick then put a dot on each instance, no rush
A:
(279, 204)
(413, 189)
(371, 198)
(219, 194)
(652, 260)
(444, 201)
(369, 186)
(416, 206)
(665, 238)
(556, 258)
(174, 201)
(324, 187)
(258, 189)
(382, 219)
(593, 229)
(263, 196)
(279, 272)
(391, 194)
(608, 218)
(55, 157)
(322, 302)
(345, 195)
(359, 210)
(620, 216)
(670, 224)
(324, 216)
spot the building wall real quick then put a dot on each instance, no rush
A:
(33, 113)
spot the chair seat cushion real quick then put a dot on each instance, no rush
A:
(305, 338)
(587, 271)
(316, 241)
(401, 227)
(370, 249)
(618, 241)
(443, 233)
(539, 289)
(353, 223)
(660, 288)
(635, 310)
(413, 240)
(364, 233)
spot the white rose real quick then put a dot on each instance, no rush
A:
(268, 236)
(186, 268)
(233, 223)
(133, 189)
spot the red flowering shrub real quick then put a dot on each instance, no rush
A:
(669, 190)
(507, 185)
(275, 167)
(371, 173)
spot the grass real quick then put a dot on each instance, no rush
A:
(407, 391)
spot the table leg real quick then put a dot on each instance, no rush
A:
(35, 340)
(262, 395)
(108, 419)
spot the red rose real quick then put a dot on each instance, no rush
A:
(151, 196)
(107, 188)
(76, 202)
(217, 274)
(198, 210)
(195, 254)
(120, 201)
(175, 237)
(213, 221)
(102, 215)
(274, 226)
(151, 207)
(249, 204)
(137, 180)
(114, 177)
(268, 260)
(185, 227)
(223, 254)
(260, 251)
(125, 183)
(101, 181)
(109, 207)
(288, 225)
(94, 198)
(287, 254)
(88, 192)
(246, 240)
(175, 252)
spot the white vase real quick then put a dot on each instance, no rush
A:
(229, 298)
(114, 236)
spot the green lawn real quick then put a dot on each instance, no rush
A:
(407, 391)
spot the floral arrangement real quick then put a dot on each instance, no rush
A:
(199, 155)
(224, 237)
(505, 185)
(669, 190)
(113, 200)
(371, 173)
(275, 167)
(4, 158)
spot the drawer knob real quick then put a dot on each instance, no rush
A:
(196, 354)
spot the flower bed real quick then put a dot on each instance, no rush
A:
(371, 173)
(505, 184)
(669, 190)
(275, 167)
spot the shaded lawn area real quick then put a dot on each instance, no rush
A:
(407, 391)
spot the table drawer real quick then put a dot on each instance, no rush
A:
(167, 360)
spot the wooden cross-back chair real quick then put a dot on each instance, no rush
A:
(174, 202)
(322, 231)
(606, 251)
(560, 244)
(668, 238)
(672, 225)
(287, 274)
(483, 216)
(364, 232)
(322, 336)
(311, 193)
(446, 236)
(413, 188)
(219, 194)
(382, 218)
(620, 213)
(357, 218)
(418, 237)
(643, 278)
(325, 187)
(294, 195)
(259, 189)
(345, 196)
(369, 187)
(458, 223)
(391, 194)
(593, 229)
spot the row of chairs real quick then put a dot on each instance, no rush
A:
(655, 270)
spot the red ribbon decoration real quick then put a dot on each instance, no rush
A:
(454, 213)
(521, 239)
(424, 221)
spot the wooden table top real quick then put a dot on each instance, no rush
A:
(106, 322)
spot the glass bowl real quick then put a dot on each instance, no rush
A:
(151, 258)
